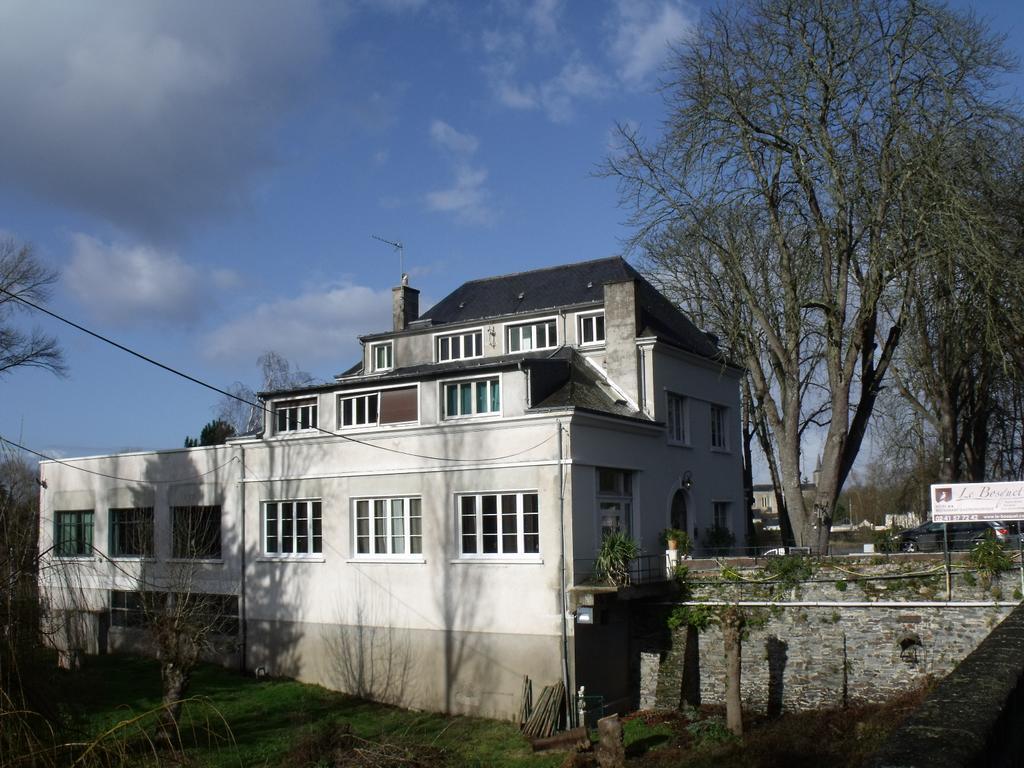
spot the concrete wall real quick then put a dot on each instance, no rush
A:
(419, 346)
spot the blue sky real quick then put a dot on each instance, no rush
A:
(207, 177)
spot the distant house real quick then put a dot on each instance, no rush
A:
(422, 529)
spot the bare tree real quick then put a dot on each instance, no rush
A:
(242, 410)
(22, 276)
(805, 123)
(963, 334)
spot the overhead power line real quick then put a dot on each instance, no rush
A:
(266, 411)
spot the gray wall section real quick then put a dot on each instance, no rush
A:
(458, 672)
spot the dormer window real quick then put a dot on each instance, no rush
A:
(591, 328)
(459, 346)
(529, 336)
(294, 415)
(382, 356)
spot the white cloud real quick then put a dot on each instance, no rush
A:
(139, 284)
(516, 96)
(314, 327)
(642, 31)
(151, 115)
(448, 138)
(543, 15)
(510, 52)
(467, 198)
(575, 82)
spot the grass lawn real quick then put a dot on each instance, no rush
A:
(234, 721)
(237, 721)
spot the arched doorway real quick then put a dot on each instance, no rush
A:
(678, 514)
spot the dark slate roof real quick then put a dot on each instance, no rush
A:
(585, 388)
(569, 285)
(539, 289)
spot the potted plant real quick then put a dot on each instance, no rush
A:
(617, 550)
(674, 538)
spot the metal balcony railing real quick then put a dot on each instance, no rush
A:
(644, 569)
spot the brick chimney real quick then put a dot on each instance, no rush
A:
(405, 304)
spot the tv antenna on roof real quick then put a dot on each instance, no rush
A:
(401, 253)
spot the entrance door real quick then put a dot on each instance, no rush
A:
(678, 516)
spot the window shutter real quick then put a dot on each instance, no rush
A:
(398, 405)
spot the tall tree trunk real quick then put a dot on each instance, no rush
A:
(732, 637)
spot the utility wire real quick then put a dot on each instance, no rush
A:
(113, 477)
(266, 411)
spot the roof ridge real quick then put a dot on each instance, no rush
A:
(547, 269)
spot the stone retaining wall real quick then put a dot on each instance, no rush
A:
(803, 657)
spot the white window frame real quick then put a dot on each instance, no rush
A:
(474, 381)
(719, 434)
(622, 498)
(365, 395)
(409, 539)
(297, 404)
(461, 335)
(387, 346)
(544, 322)
(478, 532)
(311, 535)
(375, 391)
(677, 419)
(582, 319)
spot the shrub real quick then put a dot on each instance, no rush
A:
(791, 570)
(710, 731)
(989, 557)
(617, 550)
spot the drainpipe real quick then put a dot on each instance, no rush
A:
(569, 709)
(244, 656)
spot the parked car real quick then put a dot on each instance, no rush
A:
(928, 537)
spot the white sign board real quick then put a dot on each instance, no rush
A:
(958, 502)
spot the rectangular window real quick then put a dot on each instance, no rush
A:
(721, 514)
(131, 532)
(195, 532)
(382, 356)
(292, 528)
(472, 398)
(399, 405)
(675, 419)
(459, 346)
(360, 410)
(718, 433)
(498, 524)
(294, 415)
(72, 535)
(388, 527)
(529, 336)
(218, 614)
(614, 500)
(591, 328)
(126, 609)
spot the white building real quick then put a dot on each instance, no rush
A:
(399, 532)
